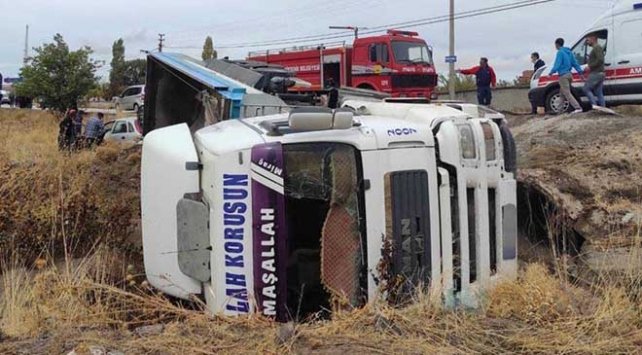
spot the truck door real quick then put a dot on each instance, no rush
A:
(402, 220)
(169, 172)
(628, 58)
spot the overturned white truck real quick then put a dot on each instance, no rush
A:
(293, 214)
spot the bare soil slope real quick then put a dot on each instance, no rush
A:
(589, 166)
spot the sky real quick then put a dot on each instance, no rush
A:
(506, 38)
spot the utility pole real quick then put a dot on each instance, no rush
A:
(25, 58)
(451, 64)
(161, 39)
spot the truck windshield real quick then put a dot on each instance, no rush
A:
(326, 247)
(411, 52)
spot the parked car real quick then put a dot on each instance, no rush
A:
(132, 98)
(4, 98)
(123, 130)
(618, 32)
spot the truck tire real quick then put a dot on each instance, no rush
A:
(510, 150)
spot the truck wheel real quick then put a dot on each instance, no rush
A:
(556, 103)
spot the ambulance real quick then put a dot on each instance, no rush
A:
(619, 32)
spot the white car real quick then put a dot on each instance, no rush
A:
(4, 98)
(132, 98)
(123, 130)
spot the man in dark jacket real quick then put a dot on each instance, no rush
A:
(67, 132)
(537, 64)
(333, 94)
(485, 79)
(594, 86)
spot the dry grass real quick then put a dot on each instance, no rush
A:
(80, 307)
(90, 296)
(49, 197)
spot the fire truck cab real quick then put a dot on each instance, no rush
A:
(398, 63)
(292, 214)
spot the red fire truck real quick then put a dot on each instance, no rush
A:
(399, 63)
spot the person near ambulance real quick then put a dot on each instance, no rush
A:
(537, 64)
(594, 86)
(486, 79)
(565, 62)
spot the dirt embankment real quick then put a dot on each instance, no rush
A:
(590, 167)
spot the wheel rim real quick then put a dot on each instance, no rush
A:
(559, 104)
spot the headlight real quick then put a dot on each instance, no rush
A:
(467, 142)
(489, 142)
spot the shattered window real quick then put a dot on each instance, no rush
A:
(326, 251)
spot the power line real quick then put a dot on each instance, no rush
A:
(328, 6)
(333, 35)
(405, 24)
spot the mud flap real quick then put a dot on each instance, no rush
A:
(169, 171)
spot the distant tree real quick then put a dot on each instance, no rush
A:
(208, 49)
(99, 91)
(462, 83)
(58, 76)
(134, 72)
(504, 83)
(117, 74)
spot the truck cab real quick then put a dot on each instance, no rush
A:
(619, 32)
(402, 64)
(294, 214)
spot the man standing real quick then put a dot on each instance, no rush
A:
(537, 64)
(66, 133)
(94, 129)
(77, 127)
(485, 79)
(594, 85)
(564, 62)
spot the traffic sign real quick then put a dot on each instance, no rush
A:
(451, 59)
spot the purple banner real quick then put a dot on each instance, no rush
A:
(269, 230)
